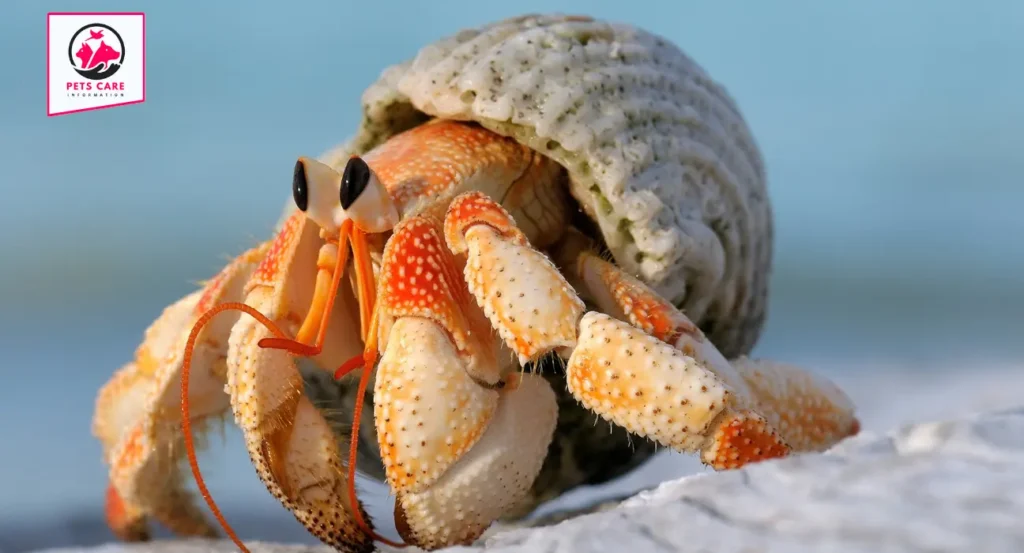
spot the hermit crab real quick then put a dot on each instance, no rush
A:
(541, 224)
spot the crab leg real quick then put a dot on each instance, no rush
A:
(461, 440)
(809, 412)
(292, 446)
(621, 372)
(137, 416)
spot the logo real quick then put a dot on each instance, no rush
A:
(98, 60)
(94, 61)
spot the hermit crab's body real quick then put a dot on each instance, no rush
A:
(463, 237)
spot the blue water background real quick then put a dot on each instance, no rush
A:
(892, 131)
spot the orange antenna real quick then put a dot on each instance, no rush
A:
(186, 420)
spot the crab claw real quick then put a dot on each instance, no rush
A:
(461, 443)
(292, 446)
(138, 416)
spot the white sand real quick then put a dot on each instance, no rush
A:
(887, 398)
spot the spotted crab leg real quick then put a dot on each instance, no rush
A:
(292, 446)
(461, 438)
(137, 417)
(809, 412)
(686, 397)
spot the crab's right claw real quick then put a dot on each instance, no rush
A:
(461, 441)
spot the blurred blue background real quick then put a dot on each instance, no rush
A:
(892, 133)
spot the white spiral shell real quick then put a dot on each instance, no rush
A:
(658, 154)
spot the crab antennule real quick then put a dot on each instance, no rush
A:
(364, 280)
(326, 290)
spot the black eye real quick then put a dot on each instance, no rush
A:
(354, 181)
(300, 190)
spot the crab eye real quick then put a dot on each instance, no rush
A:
(365, 199)
(315, 190)
(354, 181)
(300, 188)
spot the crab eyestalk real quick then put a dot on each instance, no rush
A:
(346, 207)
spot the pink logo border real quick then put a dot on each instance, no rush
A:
(49, 15)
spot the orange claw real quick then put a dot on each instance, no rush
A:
(458, 448)
(422, 278)
(418, 280)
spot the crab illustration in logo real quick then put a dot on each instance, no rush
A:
(96, 51)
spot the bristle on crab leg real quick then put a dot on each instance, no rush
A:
(460, 441)
(138, 417)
